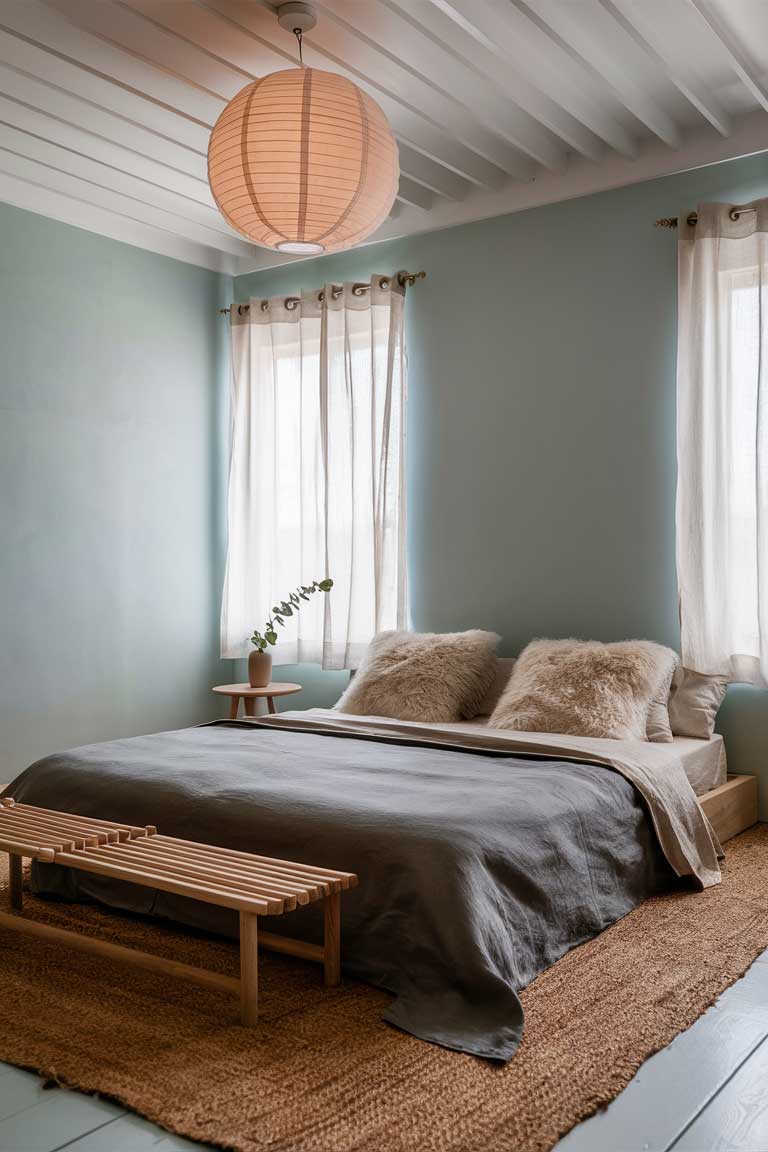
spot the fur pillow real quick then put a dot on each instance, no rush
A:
(504, 666)
(423, 676)
(585, 688)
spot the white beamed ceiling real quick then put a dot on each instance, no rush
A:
(106, 105)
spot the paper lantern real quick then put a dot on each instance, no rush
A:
(303, 161)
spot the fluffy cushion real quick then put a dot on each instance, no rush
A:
(504, 666)
(585, 688)
(428, 677)
(694, 701)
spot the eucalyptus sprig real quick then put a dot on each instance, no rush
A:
(280, 612)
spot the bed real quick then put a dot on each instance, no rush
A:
(483, 855)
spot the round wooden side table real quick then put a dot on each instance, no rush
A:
(249, 696)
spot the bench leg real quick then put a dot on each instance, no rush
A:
(15, 880)
(249, 969)
(332, 938)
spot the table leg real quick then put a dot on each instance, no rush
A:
(15, 880)
(249, 969)
(249, 702)
(332, 938)
(271, 705)
(234, 707)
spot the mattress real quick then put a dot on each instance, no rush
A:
(703, 761)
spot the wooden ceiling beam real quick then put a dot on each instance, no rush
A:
(52, 170)
(69, 208)
(102, 94)
(433, 176)
(409, 192)
(735, 54)
(580, 39)
(691, 87)
(391, 46)
(183, 168)
(512, 53)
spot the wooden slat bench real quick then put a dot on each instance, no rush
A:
(252, 885)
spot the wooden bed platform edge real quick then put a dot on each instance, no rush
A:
(732, 807)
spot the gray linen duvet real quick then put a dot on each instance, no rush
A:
(478, 866)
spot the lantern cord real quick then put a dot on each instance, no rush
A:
(298, 34)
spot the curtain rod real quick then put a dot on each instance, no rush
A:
(692, 218)
(403, 278)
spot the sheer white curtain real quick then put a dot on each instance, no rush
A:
(317, 473)
(722, 434)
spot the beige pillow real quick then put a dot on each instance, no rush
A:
(658, 727)
(429, 677)
(693, 703)
(585, 688)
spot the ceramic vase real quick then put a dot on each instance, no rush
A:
(259, 668)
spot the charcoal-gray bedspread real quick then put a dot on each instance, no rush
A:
(477, 870)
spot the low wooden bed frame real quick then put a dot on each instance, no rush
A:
(253, 885)
(731, 808)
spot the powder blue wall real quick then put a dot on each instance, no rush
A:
(111, 489)
(542, 421)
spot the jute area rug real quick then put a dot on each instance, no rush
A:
(323, 1073)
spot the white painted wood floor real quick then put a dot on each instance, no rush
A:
(706, 1092)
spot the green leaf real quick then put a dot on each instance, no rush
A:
(275, 610)
(325, 585)
(272, 637)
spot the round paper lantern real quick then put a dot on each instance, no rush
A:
(303, 161)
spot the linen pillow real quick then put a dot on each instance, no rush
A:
(693, 703)
(424, 676)
(584, 688)
(658, 726)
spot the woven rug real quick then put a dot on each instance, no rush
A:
(322, 1073)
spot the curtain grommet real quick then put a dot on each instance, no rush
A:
(265, 305)
(292, 302)
(384, 283)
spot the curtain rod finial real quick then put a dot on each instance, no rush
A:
(410, 278)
